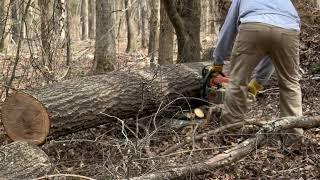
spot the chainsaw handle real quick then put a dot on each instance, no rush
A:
(222, 74)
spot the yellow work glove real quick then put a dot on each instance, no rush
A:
(254, 87)
(218, 68)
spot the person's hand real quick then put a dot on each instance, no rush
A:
(212, 70)
(217, 68)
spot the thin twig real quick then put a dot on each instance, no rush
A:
(63, 175)
(209, 133)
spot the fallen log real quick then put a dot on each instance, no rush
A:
(77, 104)
(21, 160)
(240, 151)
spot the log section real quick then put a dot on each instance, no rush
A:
(21, 160)
(77, 104)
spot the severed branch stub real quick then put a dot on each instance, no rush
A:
(240, 151)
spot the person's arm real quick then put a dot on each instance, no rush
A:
(227, 34)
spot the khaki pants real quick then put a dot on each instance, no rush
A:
(254, 41)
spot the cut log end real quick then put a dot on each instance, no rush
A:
(25, 118)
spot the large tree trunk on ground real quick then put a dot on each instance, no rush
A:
(185, 17)
(238, 152)
(79, 104)
(20, 160)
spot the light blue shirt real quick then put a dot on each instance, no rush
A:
(279, 13)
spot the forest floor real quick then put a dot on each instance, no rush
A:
(108, 152)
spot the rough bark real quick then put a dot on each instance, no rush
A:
(132, 29)
(4, 19)
(47, 31)
(105, 38)
(84, 20)
(218, 10)
(185, 17)
(240, 151)
(68, 35)
(154, 29)
(204, 16)
(15, 20)
(79, 104)
(20, 160)
(143, 20)
(92, 18)
(165, 38)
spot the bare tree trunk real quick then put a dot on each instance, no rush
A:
(143, 19)
(154, 23)
(47, 31)
(67, 30)
(185, 17)
(165, 38)
(20, 160)
(84, 19)
(15, 20)
(131, 18)
(4, 21)
(92, 18)
(219, 10)
(17, 57)
(212, 29)
(105, 39)
(204, 16)
(59, 14)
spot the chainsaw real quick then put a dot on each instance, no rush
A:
(213, 85)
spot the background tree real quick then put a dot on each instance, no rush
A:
(84, 19)
(92, 18)
(154, 29)
(4, 21)
(131, 20)
(185, 17)
(47, 31)
(143, 22)
(104, 56)
(218, 11)
(67, 30)
(166, 37)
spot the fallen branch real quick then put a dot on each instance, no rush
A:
(200, 136)
(58, 176)
(242, 150)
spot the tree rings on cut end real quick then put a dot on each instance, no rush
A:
(25, 118)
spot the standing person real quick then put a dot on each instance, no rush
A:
(260, 28)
